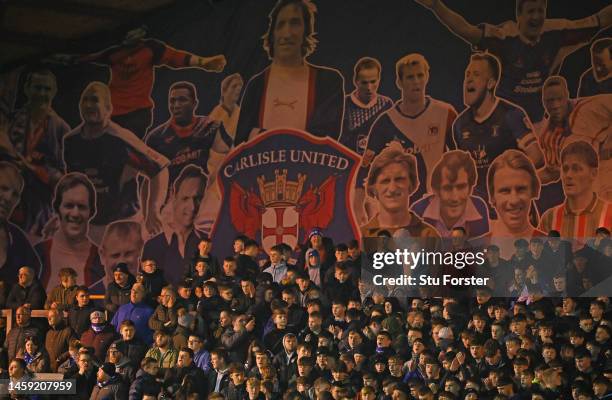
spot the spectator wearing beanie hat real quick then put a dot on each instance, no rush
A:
(110, 385)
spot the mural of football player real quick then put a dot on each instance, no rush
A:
(291, 92)
(513, 184)
(418, 122)
(583, 211)
(35, 133)
(122, 243)
(392, 179)
(111, 157)
(175, 246)
(490, 125)
(75, 206)
(363, 105)
(591, 121)
(531, 48)
(452, 205)
(15, 249)
(598, 78)
(132, 74)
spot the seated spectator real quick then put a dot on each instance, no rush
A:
(123, 365)
(84, 374)
(146, 379)
(23, 328)
(78, 314)
(186, 378)
(63, 296)
(28, 291)
(218, 376)
(165, 315)
(35, 355)
(201, 357)
(100, 335)
(136, 311)
(163, 351)
(134, 348)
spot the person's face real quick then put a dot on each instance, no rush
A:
(289, 34)
(187, 201)
(232, 93)
(338, 310)
(290, 343)
(559, 283)
(128, 332)
(453, 194)
(477, 82)
(275, 257)
(452, 386)
(247, 288)
(226, 294)
(95, 107)
(252, 390)
(15, 370)
(121, 278)
(252, 251)
(31, 347)
(114, 356)
(10, 191)
(161, 341)
(595, 311)
(204, 247)
(74, 212)
(41, 90)
(25, 277)
(316, 241)
(531, 18)
(53, 317)
(601, 335)
(314, 323)
(238, 246)
(536, 248)
(586, 324)
(583, 364)
(395, 368)
(479, 324)
(512, 197)
(577, 177)
(225, 319)
(413, 82)
(383, 341)
(341, 256)
(237, 377)
(476, 351)
(137, 294)
(556, 103)
(117, 249)
(602, 64)
(549, 354)
(181, 104)
(392, 187)
(149, 266)
(82, 299)
(367, 82)
(280, 320)
(184, 359)
(341, 275)
(68, 281)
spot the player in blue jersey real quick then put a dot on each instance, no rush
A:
(363, 105)
(530, 49)
(598, 78)
(421, 124)
(490, 125)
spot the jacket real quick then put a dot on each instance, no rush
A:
(161, 315)
(100, 341)
(143, 380)
(15, 339)
(56, 342)
(63, 297)
(114, 388)
(34, 295)
(117, 296)
(139, 314)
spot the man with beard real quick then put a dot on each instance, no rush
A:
(174, 247)
(35, 135)
(598, 78)
(112, 157)
(531, 48)
(75, 206)
(15, 249)
(122, 243)
(490, 125)
(452, 204)
(291, 92)
(583, 210)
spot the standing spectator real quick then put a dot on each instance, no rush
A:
(58, 337)
(63, 295)
(136, 311)
(152, 278)
(134, 348)
(118, 292)
(78, 314)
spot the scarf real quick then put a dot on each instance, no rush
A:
(98, 327)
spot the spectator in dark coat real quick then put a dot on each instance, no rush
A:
(24, 328)
(152, 278)
(165, 315)
(58, 337)
(123, 365)
(134, 348)
(85, 377)
(110, 385)
(185, 374)
(100, 335)
(118, 292)
(78, 314)
(28, 291)
(145, 378)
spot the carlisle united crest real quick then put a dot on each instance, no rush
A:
(278, 186)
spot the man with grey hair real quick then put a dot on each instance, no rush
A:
(28, 291)
(112, 157)
(15, 249)
(23, 328)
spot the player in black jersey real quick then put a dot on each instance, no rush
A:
(490, 125)
(111, 157)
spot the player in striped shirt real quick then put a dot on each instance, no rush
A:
(364, 105)
(530, 49)
(420, 124)
(583, 211)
